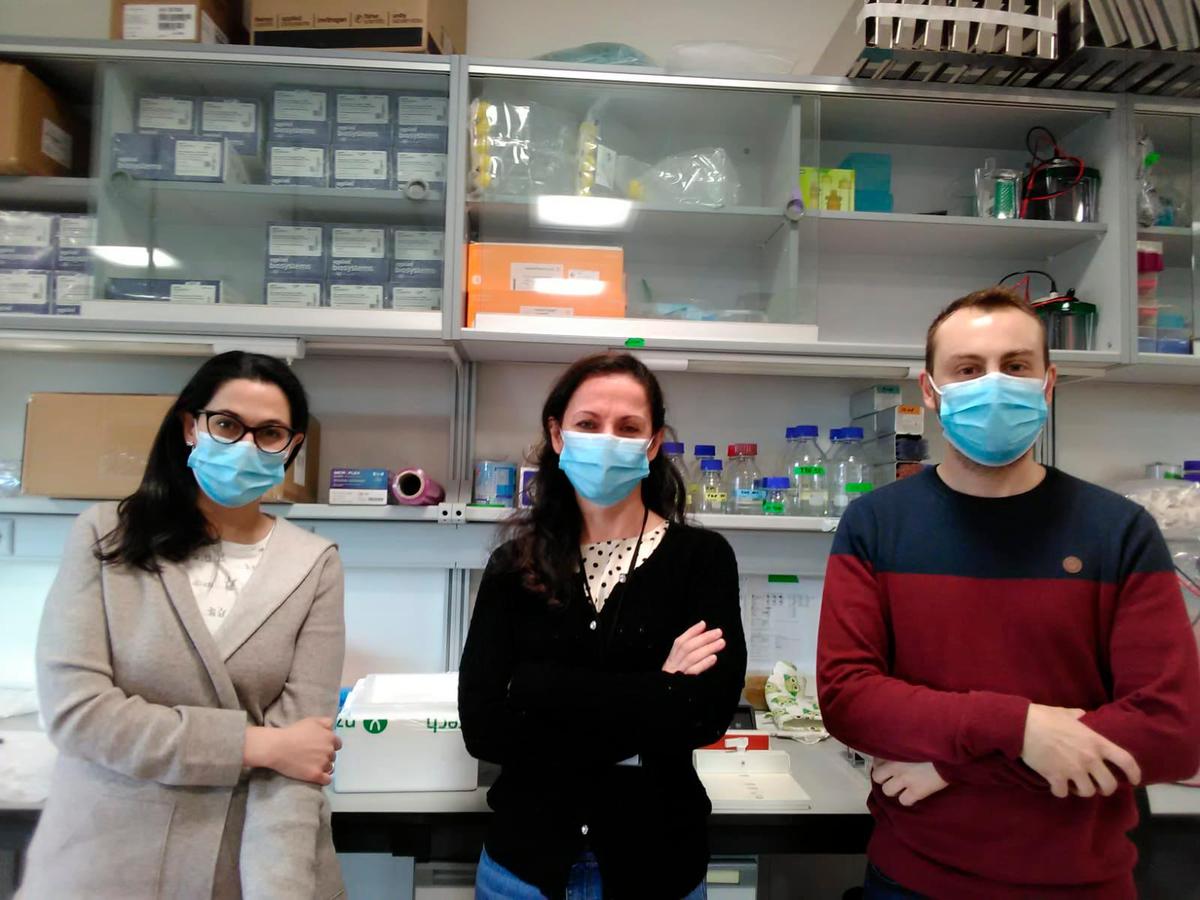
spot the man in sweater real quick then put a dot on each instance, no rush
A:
(1008, 642)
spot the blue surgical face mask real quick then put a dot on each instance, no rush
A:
(234, 474)
(603, 468)
(993, 420)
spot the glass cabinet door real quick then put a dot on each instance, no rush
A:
(1165, 153)
(297, 198)
(634, 211)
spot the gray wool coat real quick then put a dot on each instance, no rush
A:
(149, 711)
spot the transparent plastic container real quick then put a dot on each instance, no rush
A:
(673, 451)
(779, 496)
(695, 474)
(745, 493)
(850, 475)
(712, 496)
(808, 469)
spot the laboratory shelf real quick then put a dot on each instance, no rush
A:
(1176, 241)
(519, 219)
(1159, 368)
(298, 511)
(903, 234)
(201, 203)
(46, 193)
(715, 522)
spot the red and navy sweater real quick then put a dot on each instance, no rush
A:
(945, 616)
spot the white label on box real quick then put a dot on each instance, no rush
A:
(416, 298)
(160, 22)
(606, 167)
(417, 244)
(168, 113)
(547, 311)
(73, 287)
(365, 109)
(193, 292)
(300, 106)
(359, 243)
(56, 143)
(20, 286)
(584, 274)
(294, 293)
(227, 115)
(360, 164)
(357, 497)
(356, 296)
(198, 158)
(420, 166)
(77, 231)
(294, 240)
(25, 229)
(421, 110)
(522, 276)
(298, 162)
(300, 465)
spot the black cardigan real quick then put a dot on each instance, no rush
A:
(559, 705)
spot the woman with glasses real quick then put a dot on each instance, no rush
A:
(189, 659)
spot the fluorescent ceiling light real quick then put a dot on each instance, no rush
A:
(135, 257)
(583, 212)
(569, 287)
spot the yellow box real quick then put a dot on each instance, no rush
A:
(831, 189)
(545, 280)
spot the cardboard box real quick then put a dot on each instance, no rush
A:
(293, 164)
(421, 123)
(359, 487)
(429, 26)
(76, 237)
(235, 120)
(37, 136)
(545, 280)
(24, 291)
(202, 22)
(27, 240)
(362, 119)
(139, 156)
(157, 114)
(830, 189)
(422, 176)
(354, 295)
(174, 290)
(417, 268)
(70, 289)
(295, 294)
(301, 116)
(120, 430)
(355, 167)
(358, 253)
(295, 252)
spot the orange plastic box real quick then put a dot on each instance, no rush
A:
(545, 280)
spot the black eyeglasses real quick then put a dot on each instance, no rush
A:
(227, 428)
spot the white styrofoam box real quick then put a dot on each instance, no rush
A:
(401, 733)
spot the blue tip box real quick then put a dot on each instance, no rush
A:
(301, 116)
(359, 487)
(27, 240)
(235, 120)
(358, 253)
(76, 237)
(24, 291)
(166, 115)
(363, 119)
(295, 251)
(357, 167)
(421, 124)
(298, 164)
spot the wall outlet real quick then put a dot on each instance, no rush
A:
(6, 536)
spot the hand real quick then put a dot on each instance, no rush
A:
(695, 650)
(908, 782)
(1072, 757)
(304, 751)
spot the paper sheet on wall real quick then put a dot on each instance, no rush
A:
(781, 622)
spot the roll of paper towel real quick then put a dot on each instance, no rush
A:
(414, 487)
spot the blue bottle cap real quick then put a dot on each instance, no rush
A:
(807, 431)
(706, 450)
(711, 465)
(674, 447)
(1191, 465)
(852, 433)
(835, 434)
(790, 433)
(778, 484)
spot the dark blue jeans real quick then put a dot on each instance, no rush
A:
(878, 886)
(494, 882)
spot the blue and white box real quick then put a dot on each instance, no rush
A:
(140, 156)
(359, 487)
(24, 291)
(363, 119)
(235, 120)
(76, 237)
(157, 114)
(301, 116)
(174, 290)
(298, 165)
(422, 176)
(296, 252)
(421, 124)
(417, 268)
(27, 240)
(294, 293)
(70, 289)
(202, 159)
(358, 253)
(354, 295)
(354, 167)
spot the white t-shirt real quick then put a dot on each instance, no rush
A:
(218, 573)
(606, 561)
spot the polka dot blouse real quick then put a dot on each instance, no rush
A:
(606, 561)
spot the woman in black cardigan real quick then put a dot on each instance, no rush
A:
(605, 646)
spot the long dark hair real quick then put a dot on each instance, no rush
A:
(544, 540)
(161, 519)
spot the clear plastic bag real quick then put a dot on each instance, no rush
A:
(1174, 504)
(1149, 205)
(600, 53)
(702, 177)
(729, 57)
(522, 149)
(602, 171)
(10, 477)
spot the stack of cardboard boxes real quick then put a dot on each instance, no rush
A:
(45, 262)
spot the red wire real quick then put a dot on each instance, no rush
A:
(1028, 198)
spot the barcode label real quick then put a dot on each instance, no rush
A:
(158, 21)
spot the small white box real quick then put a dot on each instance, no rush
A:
(357, 497)
(402, 733)
(295, 294)
(873, 399)
(343, 295)
(166, 115)
(897, 420)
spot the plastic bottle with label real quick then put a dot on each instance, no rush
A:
(695, 474)
(712, 496)
(779, 496)
(673, 451)
(850, 475)
(745, 493)
(808, 469)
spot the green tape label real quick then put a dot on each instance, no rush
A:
(635, 343)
